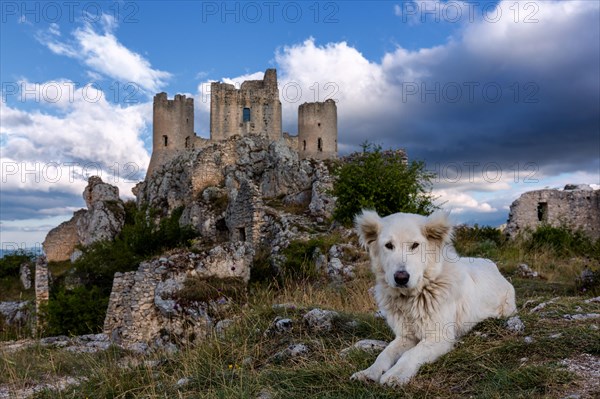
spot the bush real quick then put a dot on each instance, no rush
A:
(381, 180)
(563, 241)
(75, 312)
(205, 289)
(11, 263)
(477, 240)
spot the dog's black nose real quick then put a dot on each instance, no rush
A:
(401, 277)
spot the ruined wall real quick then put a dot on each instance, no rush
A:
(578, 209)
(42, 288)
(260, 97)
(172, 128)
(317, 130)
(245, 214)
(143, 305)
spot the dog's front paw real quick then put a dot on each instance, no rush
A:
(367, 375)
(394, 379)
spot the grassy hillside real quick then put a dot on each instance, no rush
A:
(554, 356)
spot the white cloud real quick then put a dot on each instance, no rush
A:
(55, 150)
(103, 53)
(461, 202)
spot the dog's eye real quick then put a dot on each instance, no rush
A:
(389, 246)
(414, 246)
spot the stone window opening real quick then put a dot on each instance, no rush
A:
(542, 211)
(187, 121)
(303, 145)
(320, 144)
(242, 233)
(165, 140)
(246, 115)
(187, 142)
(319, 124)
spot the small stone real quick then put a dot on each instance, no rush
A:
(555, 336)
(528, 340)
(515, 324)
(319, 319)
(284, 325)
(586, 316)
(596, 299)
(183, 382)
(523, 359)
(365, 345)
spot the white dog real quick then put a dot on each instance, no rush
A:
(428, 294)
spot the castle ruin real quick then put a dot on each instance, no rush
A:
(576, 207)
(254, 108)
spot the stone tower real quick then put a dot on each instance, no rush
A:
(172, 129)
(254, 108)
(317, 130)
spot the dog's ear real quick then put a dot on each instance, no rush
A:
(438, 228)
(368, 225)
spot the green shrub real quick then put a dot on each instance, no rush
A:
(381, 180)
(204, 289)
(563, 241)
(478, 240)
(75, 312)
(11, 263)
(300, 262)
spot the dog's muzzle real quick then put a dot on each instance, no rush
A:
(401, 278)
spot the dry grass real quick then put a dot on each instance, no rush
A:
(490, 362)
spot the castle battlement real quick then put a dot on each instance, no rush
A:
(254, 108)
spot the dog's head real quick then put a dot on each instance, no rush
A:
(404, 248)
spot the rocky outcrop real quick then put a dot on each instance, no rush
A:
(105, 215)
(144, 306)
(577, 207)
(61, 241)
(103, 220)
(223, 186)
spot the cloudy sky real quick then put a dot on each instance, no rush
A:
(498, 98)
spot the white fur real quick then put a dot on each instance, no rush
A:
(444, 298)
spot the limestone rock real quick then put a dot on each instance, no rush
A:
(15, 313)
(103, 220)
(105, 216)
(366, 345)
(515, 324)
(25, 276)
(525, 271)
(292, 351)
(232, 259)
(319, 319)
(60, 242)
